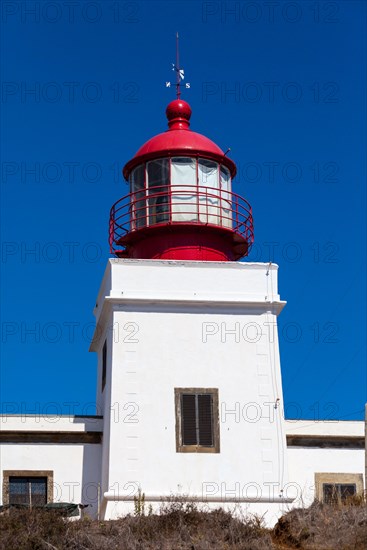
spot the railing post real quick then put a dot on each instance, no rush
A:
(236, 203)
(112, 223)
(220, 200)
(132, 211)
(170, 195)
(197, 199)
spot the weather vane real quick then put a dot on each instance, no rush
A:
(180, 74)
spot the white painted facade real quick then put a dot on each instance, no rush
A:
(76, 466)
(195, 325)
(179, 324)
(304, 461)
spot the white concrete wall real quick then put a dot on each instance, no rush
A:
(192, 324)
(171, 354)
(304, 462)
(76, 466)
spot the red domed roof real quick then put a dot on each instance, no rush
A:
(179, 140)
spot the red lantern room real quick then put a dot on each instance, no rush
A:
(181, 205)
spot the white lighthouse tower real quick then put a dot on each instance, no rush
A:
(189, 381)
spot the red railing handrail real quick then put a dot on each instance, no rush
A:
(127, 215)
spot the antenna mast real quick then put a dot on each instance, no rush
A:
(178, 75)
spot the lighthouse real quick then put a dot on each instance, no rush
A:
(189, 381)
(189, 392)
(181, 205)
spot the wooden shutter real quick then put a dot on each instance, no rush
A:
(205, 420)
(197, 419)
(104, 364)
(188, 419)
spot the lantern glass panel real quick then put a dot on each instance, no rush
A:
(138, 199)
(226, 203)
(158, 190)
(183, 189)
(209, 194)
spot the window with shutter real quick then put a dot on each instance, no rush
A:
(104, 364)
(197, 425)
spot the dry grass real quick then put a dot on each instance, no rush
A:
(324, 527)
(182, 526)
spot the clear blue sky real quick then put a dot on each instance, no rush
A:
(296, 125)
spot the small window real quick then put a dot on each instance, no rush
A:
(28, 490)
(338, 492)
(197, 426)
(104, 364)
(337, 487)
(29, 487)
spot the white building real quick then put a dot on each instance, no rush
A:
(189, 385)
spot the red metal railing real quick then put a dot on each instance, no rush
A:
(179, 204)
